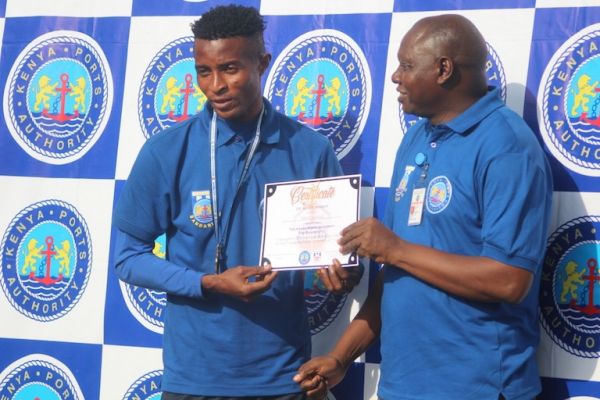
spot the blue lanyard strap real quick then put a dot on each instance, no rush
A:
(222, 238)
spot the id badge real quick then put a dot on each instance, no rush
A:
(415, 214)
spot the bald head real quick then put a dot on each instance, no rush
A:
(453, 36)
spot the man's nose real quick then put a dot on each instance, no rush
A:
(219, 84)
(396, 76)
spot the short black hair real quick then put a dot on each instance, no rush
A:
(229, 21)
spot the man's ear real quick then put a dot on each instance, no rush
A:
(446, 69)
(263, 62)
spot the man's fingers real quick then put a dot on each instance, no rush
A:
(351, 227)
(311, 382)
(262, 284)
(357, 227)
(346, 237)
(330, 280)
(257, 273)
(260, 271)
(268, 279)
(319, 392)
(324, 277)
(305, 371)
(336, 280)
(336, 269)
(349, 246)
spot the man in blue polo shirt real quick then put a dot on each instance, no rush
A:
(231, 329)
(455, 303)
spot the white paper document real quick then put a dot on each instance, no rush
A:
(302, 221)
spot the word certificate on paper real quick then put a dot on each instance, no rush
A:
(302, 221)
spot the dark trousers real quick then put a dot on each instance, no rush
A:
(177, 396)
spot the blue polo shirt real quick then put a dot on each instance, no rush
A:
(216, 345)
(488, 193)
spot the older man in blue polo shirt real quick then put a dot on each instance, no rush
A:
(455, 303)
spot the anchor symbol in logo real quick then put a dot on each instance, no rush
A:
(316, 119)
(64, 89)
(189, 89)
(47, 280)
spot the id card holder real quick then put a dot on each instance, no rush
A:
(417, 201)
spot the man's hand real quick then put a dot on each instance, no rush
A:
(338, 279)
(369, 238)
(238, 282)
(319, 374)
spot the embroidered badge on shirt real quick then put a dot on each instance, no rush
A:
(202, 215)
(401, 189)
(439, 194)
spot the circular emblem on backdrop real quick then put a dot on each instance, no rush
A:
(495, 77)
(58, 96)
(38, 376)
(569, 97)
(322, 305)
(45, 260)
(570, 290)
(322, 79)
(147, 305)
(147, 387)
(169, 92)
(439, 194)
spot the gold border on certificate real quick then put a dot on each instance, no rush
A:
(302, 221)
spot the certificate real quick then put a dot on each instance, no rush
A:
(302, 221)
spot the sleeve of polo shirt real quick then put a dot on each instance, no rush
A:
(136, 264)
(515, 201)
(143, 207)
(141, 215)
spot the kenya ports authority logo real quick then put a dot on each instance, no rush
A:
(58, 96)
(322, 79)
(496, 77)
(39, 376)
(147, 305)
(147, 387)
(569, 94)
(570, 288)
(45, 260)
(322, 305)
(169, 92)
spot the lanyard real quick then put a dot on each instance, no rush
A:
(222, 238)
